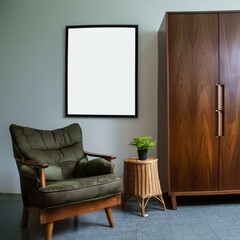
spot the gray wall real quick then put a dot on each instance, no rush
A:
(32, 67)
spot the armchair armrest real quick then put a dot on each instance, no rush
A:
(39, 165)
(32, 163)
(107, 157)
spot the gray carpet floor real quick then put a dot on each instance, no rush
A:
(197, 218)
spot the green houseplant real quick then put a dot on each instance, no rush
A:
(143, 144)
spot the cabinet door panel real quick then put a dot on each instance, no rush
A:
(193, 75)
(229, 45)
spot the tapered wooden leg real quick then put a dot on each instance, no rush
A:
(48, 231)
(109, 216)
(25, 215)
(174, 202)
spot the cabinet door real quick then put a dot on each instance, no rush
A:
(192, 79)
(229, 45)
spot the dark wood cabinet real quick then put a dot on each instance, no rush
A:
(203, 102)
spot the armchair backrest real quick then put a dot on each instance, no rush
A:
(61, 148)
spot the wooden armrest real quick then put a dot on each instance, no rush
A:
(31, 163)
(41, 168)
(107, 157)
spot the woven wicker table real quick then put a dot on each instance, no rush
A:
(141, 180)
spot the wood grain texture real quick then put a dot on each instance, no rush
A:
(62, 212)
(193, 74)
(229, 42)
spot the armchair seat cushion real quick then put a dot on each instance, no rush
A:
(78, 190)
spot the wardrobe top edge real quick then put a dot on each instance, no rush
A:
(202, 12)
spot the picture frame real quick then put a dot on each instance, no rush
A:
(101, 71)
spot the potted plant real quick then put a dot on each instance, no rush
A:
(143, 144)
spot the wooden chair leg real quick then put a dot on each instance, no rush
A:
(48, 231)
(109, 216)
(25, 215)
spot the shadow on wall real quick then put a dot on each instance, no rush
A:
(162, 106)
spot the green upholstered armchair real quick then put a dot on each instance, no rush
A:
(57, 179)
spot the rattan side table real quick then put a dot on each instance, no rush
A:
(141, 180)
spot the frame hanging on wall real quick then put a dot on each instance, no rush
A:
(101, 70)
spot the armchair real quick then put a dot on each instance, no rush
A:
(57, 179)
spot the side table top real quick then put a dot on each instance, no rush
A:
(135, 160)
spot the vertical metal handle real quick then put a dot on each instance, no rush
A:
(220, 109)
(219, 123)
(220, 97)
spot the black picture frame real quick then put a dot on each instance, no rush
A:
(102, 71)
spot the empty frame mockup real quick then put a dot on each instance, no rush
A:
(101, 70)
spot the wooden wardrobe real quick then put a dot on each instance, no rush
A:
(199, 102)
